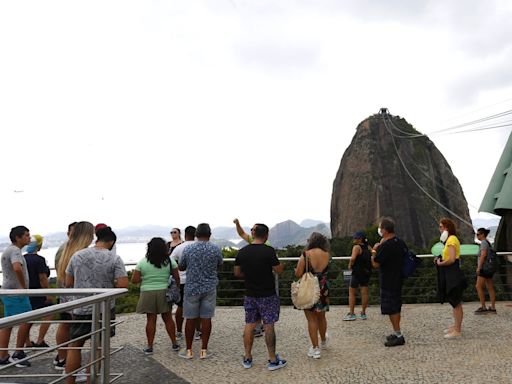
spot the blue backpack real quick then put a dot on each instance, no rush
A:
(410, 262)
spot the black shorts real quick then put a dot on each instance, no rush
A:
(390, 302)
(485, 275)
(39, 302)
(81, 329)
(359, 280)
(182, 291)
(454, 297)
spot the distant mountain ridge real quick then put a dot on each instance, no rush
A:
(282, 234)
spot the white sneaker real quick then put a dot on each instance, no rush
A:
(80, 376)
(316, 353)
(311, 351)
(324, 344)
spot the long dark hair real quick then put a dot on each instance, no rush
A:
(158, 253)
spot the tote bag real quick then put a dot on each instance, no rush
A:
(306, 291)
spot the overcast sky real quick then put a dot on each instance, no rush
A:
(178, 112)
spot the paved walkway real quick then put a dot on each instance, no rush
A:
(356, 353)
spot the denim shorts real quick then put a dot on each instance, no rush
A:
(200, 306)
(265, 309)
(14, 305)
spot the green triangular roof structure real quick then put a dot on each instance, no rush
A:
(498, 197)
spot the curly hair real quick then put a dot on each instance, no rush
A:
(317, 240)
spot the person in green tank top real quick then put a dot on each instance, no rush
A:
(152, 272)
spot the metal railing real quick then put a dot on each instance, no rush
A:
(100, 299)
(419, 288)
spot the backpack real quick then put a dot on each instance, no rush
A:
(410, 262)
(491, 264)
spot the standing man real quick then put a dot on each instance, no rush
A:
(96, 267)
(201, 260)
(388, 257)
(190, 234)
(38, 273)
(255, 263)
(15, 276)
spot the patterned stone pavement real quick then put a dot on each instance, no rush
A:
(356, 353)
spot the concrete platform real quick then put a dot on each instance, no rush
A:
(356, 353)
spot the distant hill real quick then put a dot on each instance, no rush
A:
(290, 233)
(308, 223)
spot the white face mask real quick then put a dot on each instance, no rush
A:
(379, 231)
(444, 236)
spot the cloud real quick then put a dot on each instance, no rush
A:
(278, 56)
(488, 75)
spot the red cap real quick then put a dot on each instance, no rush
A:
(100, 226)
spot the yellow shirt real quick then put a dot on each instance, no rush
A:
(452, 240)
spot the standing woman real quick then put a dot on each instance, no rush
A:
(317, 256)
(80, 238)
(361, 265)
(152, 272)
(451, 279)
(175, 239)
(484, 279)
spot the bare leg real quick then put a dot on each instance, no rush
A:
(190, 325)
(169, 326)
(364, 299)
(312, 327)
(62, 336)
(150, 328)
(206, 330)
(23, 332)
(395, 321)
(492, 295)
(28, 343)
(322, 324)
(5, 335)
(351, 299)
(248, 339)
(480, 283)
(43, 329)
(179, 319)
(73, 360)
(457, 316)
(270, 340)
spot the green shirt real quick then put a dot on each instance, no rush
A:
(153, 278)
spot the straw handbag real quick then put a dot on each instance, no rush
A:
(306, 291)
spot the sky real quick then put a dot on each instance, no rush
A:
(180, 112)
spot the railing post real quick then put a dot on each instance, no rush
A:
(94, 341)
(105, 342)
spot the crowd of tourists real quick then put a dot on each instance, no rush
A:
(184, 273)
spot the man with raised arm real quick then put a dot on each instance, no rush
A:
(255, 264)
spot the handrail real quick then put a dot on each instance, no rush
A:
(99, 295)
(423, 256)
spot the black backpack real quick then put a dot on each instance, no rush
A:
(491, 261)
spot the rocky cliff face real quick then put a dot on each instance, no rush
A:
(372, 182)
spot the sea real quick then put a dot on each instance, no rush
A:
(131, 253)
